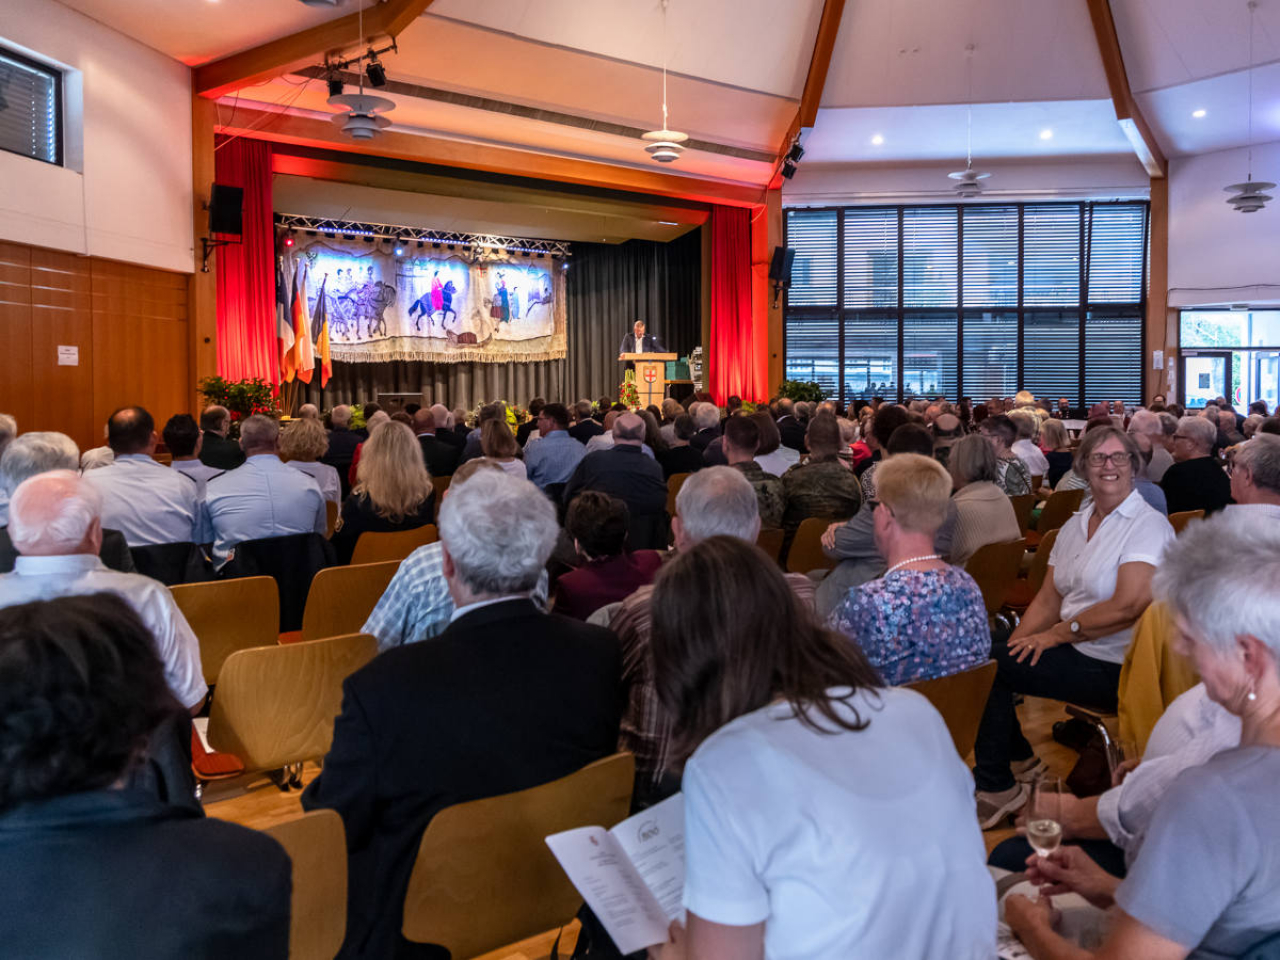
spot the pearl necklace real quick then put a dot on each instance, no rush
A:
(902, 563)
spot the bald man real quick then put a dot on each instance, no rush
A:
(623, 471)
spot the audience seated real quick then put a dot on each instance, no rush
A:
(1255, 477)
(1027, 448)
(1071, 642)
(820, 485)
(302, 444)
(1001, 433)
(1148, 424)
(308, 411)
(215, 449)
(680, 457)
(39, 452)
(883, 424)
(263, 497)
(1228, 433)
(142, 498)
(670, 409)
(1196, 481)
(1058, 454)
(498, 443)
(1204, 877)
(604, 440)
(824, 815)
(55, 521)
(984, 513)
(1151, 491)
(371, 413)
(947, 431)
(790, 429)
(556, 454)
(8, 430)
(741, 441)
(440, 456)
(706, 417)
(444, 428)
(91, 865)
(397, 757)
(772, 456)
(473, 447)
(182, 436)
(924, 618)
(393, 490)
(597, 523)
(585, 426)
(530, 426)
(623, 471)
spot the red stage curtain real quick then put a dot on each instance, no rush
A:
(733, 360)
(246, 270)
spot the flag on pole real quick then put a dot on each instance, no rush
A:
(284, 323)
(320, 325)
(304, 359)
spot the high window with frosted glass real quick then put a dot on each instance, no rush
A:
(976, 300)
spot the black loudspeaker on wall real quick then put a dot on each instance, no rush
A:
(780, 266)
(226, 210)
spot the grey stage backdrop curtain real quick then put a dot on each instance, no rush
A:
(609, 287)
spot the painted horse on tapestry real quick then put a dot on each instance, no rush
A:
(439, 299)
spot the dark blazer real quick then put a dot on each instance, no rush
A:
(114, 552)
(452, 437)
(625, 472)
(505, 699)
(440, 457)
(651, 344)
(525, 429)
(117, 875)
(683, 459)
(359, 516)
(1199, 484)
(584, 431)
(792, 432)
(220, 453)
(700, 440)
(342, 447)
(713, 455)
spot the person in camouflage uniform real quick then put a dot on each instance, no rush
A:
(740, 441)
(820, 485)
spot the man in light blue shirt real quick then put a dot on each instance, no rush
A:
(553, 458)
(143, 499)
(264, 497)
(182, 437)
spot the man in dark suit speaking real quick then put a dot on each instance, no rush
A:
(640, 342)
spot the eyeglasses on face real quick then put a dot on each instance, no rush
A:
(1117, 459)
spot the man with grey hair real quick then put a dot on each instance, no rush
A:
(707, 419)
(1144, 423)
(56, 525)
(342, 444)
(1255, 477)
(444, 429)
(585, 426)
(1196, 480)
(714, 502)
(440, 457)
(216, 449)
(505, 699)
(1228, 433)
(623, 471)
(265, 497)
(308, 411)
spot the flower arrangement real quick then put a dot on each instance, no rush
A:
(243, 398)
(806, 390)
(516, 414)
(628, 393)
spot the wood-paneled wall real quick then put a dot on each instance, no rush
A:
(129, 324)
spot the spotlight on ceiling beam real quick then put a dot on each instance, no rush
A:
(795, 153)
(335, 87)
(376, 72)
(788, 169)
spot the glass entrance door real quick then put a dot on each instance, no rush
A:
(1206, 375)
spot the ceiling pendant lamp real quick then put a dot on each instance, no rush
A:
(665, 145)
(362, 119)
(1250, 196)
(968, 181)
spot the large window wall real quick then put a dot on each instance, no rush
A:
(1231, 353)
(976, 300)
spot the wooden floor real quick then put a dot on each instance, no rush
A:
(258, 803)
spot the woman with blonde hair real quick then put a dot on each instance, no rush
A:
(498, 443)
(393, 490)
(302, 443)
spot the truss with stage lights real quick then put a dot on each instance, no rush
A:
(416, 236)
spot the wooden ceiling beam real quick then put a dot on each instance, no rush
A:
(1128, 114)
(815, 80)
(278, 57)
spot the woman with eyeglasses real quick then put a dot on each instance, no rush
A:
(1072, 641)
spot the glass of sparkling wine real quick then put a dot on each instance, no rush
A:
(1044, 815)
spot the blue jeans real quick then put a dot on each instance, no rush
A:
(1063, 673)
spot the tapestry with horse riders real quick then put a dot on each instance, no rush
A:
(440, 305)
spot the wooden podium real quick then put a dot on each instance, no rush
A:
(651, 375)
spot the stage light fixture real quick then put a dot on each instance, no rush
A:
(288, 239)
(335, 87)
(331, 236)
(421, 244)
(788, 169)
(375, 71)
(795, 153)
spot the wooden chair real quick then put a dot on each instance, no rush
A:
(331, 517)
(381, 547)
(674, 483)
(995, 568)
(1037, 481)
(317, 844)
(342, 598)
(806, 547)
(1180, 520)
(1023, 504)
(1154, 674)
(1024, 589)
(484, 876)
(441, 484)
(1058, 509)
(275, 706)
(770, 541)
(961, 699)
(229, 615)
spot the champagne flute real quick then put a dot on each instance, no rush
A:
(1044, 816)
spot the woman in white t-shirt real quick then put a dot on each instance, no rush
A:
(1071, 642)
(826, 816)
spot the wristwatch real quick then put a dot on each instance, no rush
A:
(1074, 627)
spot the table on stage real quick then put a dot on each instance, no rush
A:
(651, 375)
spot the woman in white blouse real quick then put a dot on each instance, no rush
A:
(1072, 641)
(302, 443)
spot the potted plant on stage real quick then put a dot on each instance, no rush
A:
(243, 398)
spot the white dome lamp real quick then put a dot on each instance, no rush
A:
(1250, 196)
(665, 145)
(363, 118)
(968, 181)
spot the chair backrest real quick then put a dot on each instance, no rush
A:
(317, 844)
(995, 567)
(806, 547)
(341, 598)
(276, 705)
(440, 484)
(1037, 480)
(1153, 675)
(292, 561)
(674, 483)
(381, 547)
(1180, 519)
(484, 876)
(770, 541)
(1039, 568)
(229, 615)
(330, 517)
(172, 563)
(1023, 504)
(1059, 508)
(960, 698)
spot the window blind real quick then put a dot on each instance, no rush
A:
(1116, 253)
(870, 355)
(30, 108)
(1051, 353)
(929, 355)
(930, 256)
(1050, 254)
(991, 256)
(871, 257)
(812, 343)
(1113, 355)
(990, 353)
(812, 234)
